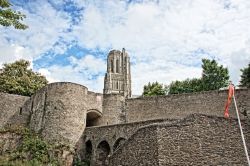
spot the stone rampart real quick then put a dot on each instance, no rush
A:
(140, 149)
(180, 106)
(113, 109)
(195, 140)
(112, 134)
(11, 109)
(58, 111)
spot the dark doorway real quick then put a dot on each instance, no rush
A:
(102, 152)
(92, 118)
(88, 151)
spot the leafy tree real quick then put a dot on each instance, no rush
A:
(9, 17)
(245, 77)
(213, 77)
(186, 86)
(16, 78)
(153, 89)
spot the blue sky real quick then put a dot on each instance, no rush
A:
(68, 40)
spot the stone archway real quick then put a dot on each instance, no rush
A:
(92, 117)
(102, 153)
(118, 143)
(88, 151)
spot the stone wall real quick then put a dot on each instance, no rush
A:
(139, 150)
(179, 106)
(202, 140)
(10, 109)
(113, 110)
(196, 140)
(58, 111)
(9, 141)
(114, 135)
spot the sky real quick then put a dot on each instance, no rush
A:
(68, 40)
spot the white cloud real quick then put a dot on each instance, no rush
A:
(46, 28)
(169, 32)
(84, 71)
(163, 38)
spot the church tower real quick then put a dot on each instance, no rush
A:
(118, 78)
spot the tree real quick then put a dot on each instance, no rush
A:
(9, 17)
(245, 77)
(153, 89)
(213, 77)
(16, 78)
(186, 86)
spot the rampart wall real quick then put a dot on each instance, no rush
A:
(195, 140)
(179, 106)
(113, 110)
(112, 134)
(58, 111)
(10, 109)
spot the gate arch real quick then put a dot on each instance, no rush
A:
(93, 116)
(102, 152)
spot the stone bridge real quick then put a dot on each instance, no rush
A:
(98, 142)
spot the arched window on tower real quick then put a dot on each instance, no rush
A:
(117, 85)
(117, 66)
(112, 66)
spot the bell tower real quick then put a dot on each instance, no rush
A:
(118, 78)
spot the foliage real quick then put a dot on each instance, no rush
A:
(245, 77)
(31, 152)
(16, 78)
(213, 77)
(186, 86)
(9, 17)
(153, 89)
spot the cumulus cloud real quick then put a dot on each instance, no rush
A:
(47, 28)
(165, 39)
(158, 35)
(87, 70)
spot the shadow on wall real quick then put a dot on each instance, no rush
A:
(118, 143)
(102, 153)
(89, 149)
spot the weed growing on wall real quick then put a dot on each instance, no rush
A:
(31, 151)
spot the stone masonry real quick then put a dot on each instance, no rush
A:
(118, 78)
(115, 129)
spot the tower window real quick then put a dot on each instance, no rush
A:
(112, 66)
(117, 85)
(117, 66)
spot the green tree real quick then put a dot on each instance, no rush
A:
(186, 86)
(245, 77)
(9, 17)
(153, 89)
(16, 78)
(214, 76)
